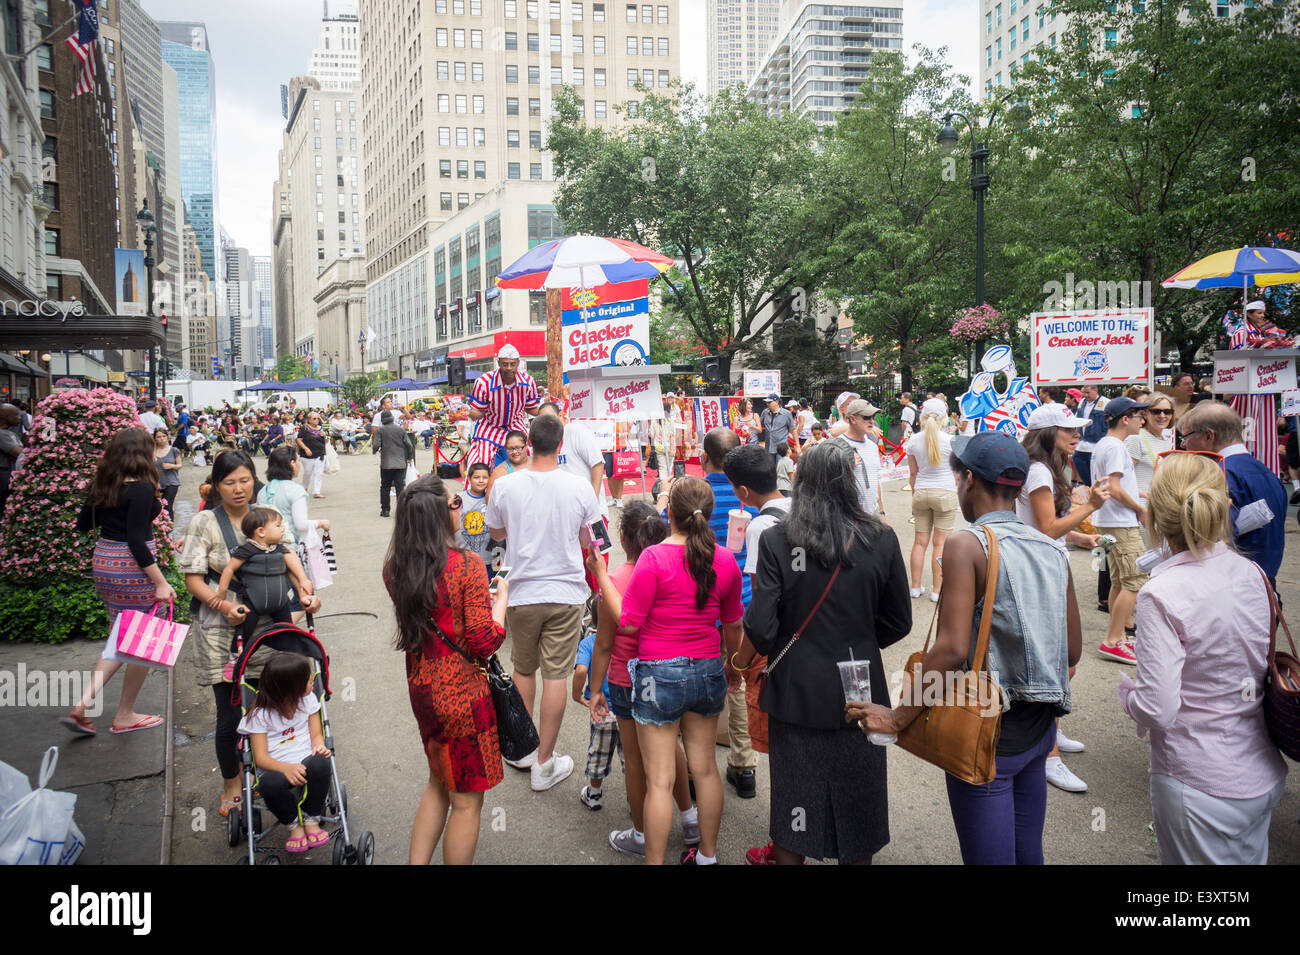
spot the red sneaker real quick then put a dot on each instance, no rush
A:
(1120, 653)
(764, 856)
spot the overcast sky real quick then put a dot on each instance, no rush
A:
(258, 44)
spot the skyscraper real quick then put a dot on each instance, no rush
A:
(264, 308)
(336, 61)
(185, 49)
(740, 32)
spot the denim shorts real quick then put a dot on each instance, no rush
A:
(665, 690)
(620, 701)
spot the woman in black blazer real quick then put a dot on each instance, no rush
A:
(828, 782)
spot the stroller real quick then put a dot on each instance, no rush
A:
(246, 823)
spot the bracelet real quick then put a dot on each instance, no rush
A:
(737, 668)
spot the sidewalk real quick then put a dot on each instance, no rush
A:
(118, 779)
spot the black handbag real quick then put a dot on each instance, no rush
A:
(515, 730)
(1281, 684)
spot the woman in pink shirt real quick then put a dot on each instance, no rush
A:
(678, 592)
(1202, 653)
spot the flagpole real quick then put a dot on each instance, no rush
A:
(41, 42)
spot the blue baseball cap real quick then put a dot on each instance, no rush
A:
(996, 457)
(1117, 408)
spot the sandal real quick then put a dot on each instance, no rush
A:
(229, 803)
(296, 844)
(144, 723)
(78, 724)
(317, 838)
(1104, 607)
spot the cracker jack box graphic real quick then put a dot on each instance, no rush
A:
(606, 325)
(1007, 411)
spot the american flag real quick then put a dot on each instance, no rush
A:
(83, 45)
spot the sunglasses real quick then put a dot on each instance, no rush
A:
(455, 503)
(1212, 455)
(1163, 412)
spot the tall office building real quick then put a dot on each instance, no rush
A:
(740, 32)
(822, 55)
(263, 298)
(185, 49)
(1009, 32)
(242, 315)
(455, 97)
(336, 60)
(200, 314)
(282, 255)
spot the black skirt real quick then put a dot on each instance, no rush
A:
(829, 794)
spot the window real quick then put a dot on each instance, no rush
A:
(647, 13)
(458, 38)
(598, 76)
(647, 46)
(575, 10)
(988, 23)
(988, 56)
(480, 169)
(47, 104)
(444, 70)
(631, 13)
(315, 106)
(1042, 15)
(45, 61)
(1051, 41)
(512, 9)
(457, 7)
(648, 78)
(557, 43)
(535, 139)
(320, 199)
(1137, 114)
(557, 76)
(577, 43)
(476, 72)
(663, 79)
(532, 9)
(444, 168)
(440, 36)
(512, 138)
(512, 41)
(632, 77)
(663, 14)
(535, 170)
(512, 106)
(1112, 39)
(534, 107)
(534, 75)
(318, 162)
(579, 76)
(480, 136)
(1024, 29)
(663, 46)
(462, 103)
(601, 109)
(444, 135)
(998, 46)
(631, 46)
(444, 201)
(998, 10)
(462, 168)
(598, 45)
(633, 109)
(532, 43)
(51, 241)
(512, 170)
(1012, 41)
(478, 104)
(476, 8)
(444, 103)
(598, 12)
(458, 71)
(1013, 6)
(440, 6)
(462, 136)
(476, 39)
(512, 73)
(315, 124)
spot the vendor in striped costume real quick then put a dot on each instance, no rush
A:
(499, 403)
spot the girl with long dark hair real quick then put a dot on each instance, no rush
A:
(444, 609)
(122, 502)
(677, 593)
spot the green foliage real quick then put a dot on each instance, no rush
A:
(290, 368)
(806, 359)
(27, 609)
(359, 388)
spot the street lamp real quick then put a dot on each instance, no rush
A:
(144, 218)
(979, 181)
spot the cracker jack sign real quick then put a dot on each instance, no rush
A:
(607, 325)
(1101, 347)
(625, 398)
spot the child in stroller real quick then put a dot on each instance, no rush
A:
(284, 729)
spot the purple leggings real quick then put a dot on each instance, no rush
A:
(1002, 823)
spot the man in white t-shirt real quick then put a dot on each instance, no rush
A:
(1121, 517)
(1091, 401)
(150, 420)
(580, 454)
(540, 513)
(907, 416)
(859, 416)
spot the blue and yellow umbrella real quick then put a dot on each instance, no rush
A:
(1239, 268)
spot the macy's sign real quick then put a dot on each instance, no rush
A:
(30, 308)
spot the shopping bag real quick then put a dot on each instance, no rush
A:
(317, 567)
(332, 465)
(152, 641)
(327, 545)
(37, 827)
(627, 464)
(412, 475)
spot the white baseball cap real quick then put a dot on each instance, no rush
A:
(508, 352)
(1054, 416)
(1255, 306)
(935, 406)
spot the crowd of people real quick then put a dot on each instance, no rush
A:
(743, 589)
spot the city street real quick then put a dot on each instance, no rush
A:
(383, 766)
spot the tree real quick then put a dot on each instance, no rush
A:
(908, 242)
(360, 388)
(807, 358)
(1180, 131)
(290, 368)
(740, 198)
(45, 564)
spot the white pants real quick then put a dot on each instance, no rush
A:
(1195, 828)
(313, 470)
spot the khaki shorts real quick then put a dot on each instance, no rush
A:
(1122, 559)
(544, 636)
(934, 508)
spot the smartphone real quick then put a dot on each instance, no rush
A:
(501, 574)
(599, 534)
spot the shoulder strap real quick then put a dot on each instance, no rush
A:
(772, 511)
(980, 659)
(807, 620)
(227, 529)
(1275, 617)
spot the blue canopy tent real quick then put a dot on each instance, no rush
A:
(442, 380)
(307, 384)
(264, 386)
(401, 384)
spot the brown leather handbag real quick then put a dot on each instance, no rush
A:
(959, 734)
(1281, 684)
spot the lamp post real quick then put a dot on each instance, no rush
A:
(979, 183)
(144, 218)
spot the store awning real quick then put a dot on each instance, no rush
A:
(54, 326)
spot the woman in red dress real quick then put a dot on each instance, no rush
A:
(440, 594)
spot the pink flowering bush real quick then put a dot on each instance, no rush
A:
(40, 548)
(980, 323)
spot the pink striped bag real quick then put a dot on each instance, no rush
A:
(143, 638)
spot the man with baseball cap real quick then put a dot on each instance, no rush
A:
(859, 417)
(500, 402)
(775, 424)
(1121, 517)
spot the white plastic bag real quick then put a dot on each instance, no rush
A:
(37, 828)
(332, 465)
(412, 475)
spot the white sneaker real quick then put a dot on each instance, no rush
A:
(916, 592)
(551, 773)
(593, 799)
(1065, 744)
(1059, 775)
(934, 597)
(528, 762)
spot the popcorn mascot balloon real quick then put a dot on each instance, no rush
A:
(992, 410)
